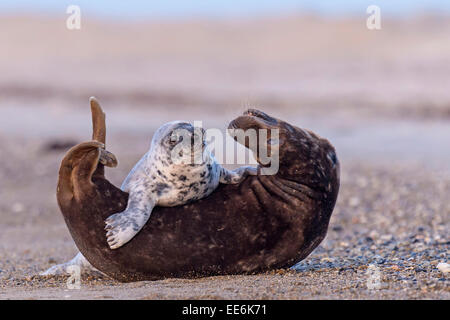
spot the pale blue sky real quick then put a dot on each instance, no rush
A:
(188, 8)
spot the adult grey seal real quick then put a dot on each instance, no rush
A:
(178, 168)
(262, 223)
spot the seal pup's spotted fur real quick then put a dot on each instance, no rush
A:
(178, 168)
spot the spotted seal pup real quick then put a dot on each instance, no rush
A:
(171, 173)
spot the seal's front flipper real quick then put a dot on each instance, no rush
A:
(238, 175)
(107, 159)
(123, 226)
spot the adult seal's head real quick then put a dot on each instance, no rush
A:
(265, 222)
(303, 156)
(308, 175)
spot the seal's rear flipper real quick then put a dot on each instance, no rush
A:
(86, 160)
(77, 168)
(98, 121)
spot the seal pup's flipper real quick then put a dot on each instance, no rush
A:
(237, 175)
(123, 226)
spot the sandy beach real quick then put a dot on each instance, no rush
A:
(380, 97)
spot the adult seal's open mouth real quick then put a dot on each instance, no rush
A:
(263, 223)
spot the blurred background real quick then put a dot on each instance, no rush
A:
(382, 97)
(314, 63)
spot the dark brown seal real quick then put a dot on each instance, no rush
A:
(265, 222)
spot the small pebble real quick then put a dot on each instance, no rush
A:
(443, 267)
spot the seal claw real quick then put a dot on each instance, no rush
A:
(119, 231)
(108, 159)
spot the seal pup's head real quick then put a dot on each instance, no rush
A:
(302, 155)
(178, 143)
